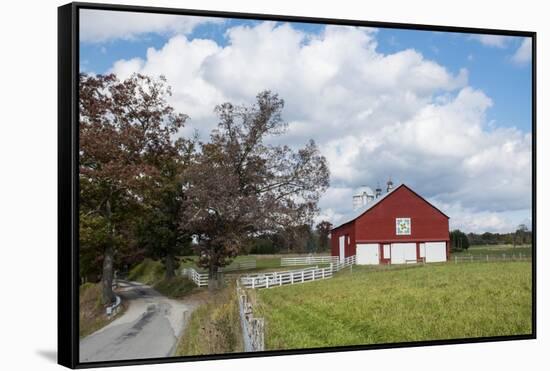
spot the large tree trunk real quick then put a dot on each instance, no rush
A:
(108, 295)
(107, 277)
(213, 277)
(169, 265)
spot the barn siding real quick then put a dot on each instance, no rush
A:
(347, 229)
(378, 224)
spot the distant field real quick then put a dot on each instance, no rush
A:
(497, 250)
(263, 263)
(372, 306)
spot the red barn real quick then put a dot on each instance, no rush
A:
(398, 227)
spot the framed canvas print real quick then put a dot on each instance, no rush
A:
(237, 185)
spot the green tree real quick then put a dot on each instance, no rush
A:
(323, 229)
(238, 187)
(459, 240)
(158, 231)
(520, 237)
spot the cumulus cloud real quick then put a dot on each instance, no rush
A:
(372, 114)
(524, 52)
(495, 41)
(484, 221)
(106, 25)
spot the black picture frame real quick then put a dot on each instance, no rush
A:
(68, 207)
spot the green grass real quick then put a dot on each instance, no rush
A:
(175, 287)
(435, 301)
(152, 272)
(263, 263)
(92, 315)
(148, 271)
(214, 327)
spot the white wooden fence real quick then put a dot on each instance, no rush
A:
(305, 260)
(350, 260)
(252, 328)
(273, 279)
(200, 279)
(490, 258)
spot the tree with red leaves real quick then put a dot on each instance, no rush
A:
(238, 186)
(126, 135)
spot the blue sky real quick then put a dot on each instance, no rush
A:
(490, 68)
(448, 114)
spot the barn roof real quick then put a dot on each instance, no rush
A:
(348, 218)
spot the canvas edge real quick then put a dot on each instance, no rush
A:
(68, 182)
(67, 259)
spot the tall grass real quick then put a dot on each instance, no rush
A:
(92, 315)
(214, 327)
(435, 301)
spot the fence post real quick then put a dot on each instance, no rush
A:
(471, 258)
(280, 280)
(253, 280)
(302, 276)
(455, 259)
(503, 256)
(519, 256)
(487, 258)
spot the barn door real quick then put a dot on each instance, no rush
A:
(385, 253)
(342, 245)
(436, 252)
(422, 251)
(368, 253)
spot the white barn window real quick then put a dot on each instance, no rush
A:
(402, 226)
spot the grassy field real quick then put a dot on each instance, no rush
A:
(435, 301)
(265, 263)
(494, 250)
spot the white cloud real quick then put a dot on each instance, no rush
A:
(524, 52)
(106, 25)
(372, 114)
(484, 221)
(124, 68)
(181, 61)
(495, 41)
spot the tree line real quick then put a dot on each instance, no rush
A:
(462, 241)
(148, 191)
(300, 239)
